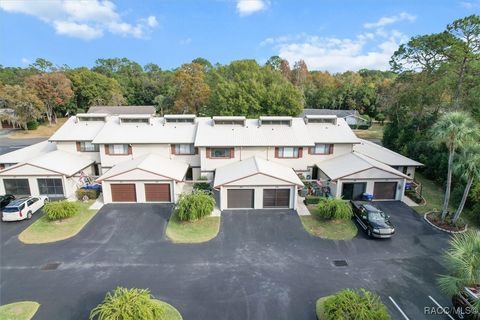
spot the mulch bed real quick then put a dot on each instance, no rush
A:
(435, 218)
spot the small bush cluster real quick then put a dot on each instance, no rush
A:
(413, 195)
(194, 206)
(360, 305)
(128, 304)
(32, 125)
(312, 199)
(61, 210)
(203, 185)
(360, 126)
(89, 193)
(333, 209)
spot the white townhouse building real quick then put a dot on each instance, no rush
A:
(252, 163)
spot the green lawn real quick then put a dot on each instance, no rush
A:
(374, 132)
(319, 307)
(329, 229)
(170, 312)
(23, 310)
(432, 193)
(45, 231)
(192, 232)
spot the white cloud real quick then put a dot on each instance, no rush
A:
(247, 7)
(84, 19)
(371, 49)
(470, 4)
(384, 21)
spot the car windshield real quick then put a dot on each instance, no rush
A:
(376, 216)
(10, 209)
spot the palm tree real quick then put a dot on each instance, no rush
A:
(468, 167)
(463, 263)
(452, 129)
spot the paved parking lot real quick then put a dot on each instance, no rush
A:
(262, 265)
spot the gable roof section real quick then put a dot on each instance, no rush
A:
(117, 110)
(351, 163)
(335, 112)
(152, 163)
(384, 155)
(75, 130)
(29, 152)
(252, 166)
(331, 133)
(157, 131)
(58, 161)
(252, 134)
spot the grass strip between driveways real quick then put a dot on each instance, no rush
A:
(192, 232)
(170, 312)
(23, 310)
(329, 229)
(45, 231)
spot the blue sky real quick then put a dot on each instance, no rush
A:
(327, 34)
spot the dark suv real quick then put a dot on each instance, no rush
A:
(376, 223)
(464, 303)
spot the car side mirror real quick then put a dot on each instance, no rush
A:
(364, 217)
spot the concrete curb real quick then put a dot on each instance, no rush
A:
(441, 229)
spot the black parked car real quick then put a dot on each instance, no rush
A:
(5, 199)
(464, 303)
(376, 223)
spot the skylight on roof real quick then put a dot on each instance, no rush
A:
(91, 116)
(179, 118)
(283, 121)
(228, 120)
(321, 119)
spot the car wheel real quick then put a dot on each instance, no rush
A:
(29, 215)
(369, 233)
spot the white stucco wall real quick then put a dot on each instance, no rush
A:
(71, 146)
(70, 184)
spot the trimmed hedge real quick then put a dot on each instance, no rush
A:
(194, 206)
(413, 195)
(32, 125)
(333, 209)
(203, 186)
(91, 194)
(312, 199)
(354, 304)
(61, 210)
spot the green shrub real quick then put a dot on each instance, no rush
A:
(128, 304)
(194, 206)
(32, 125)
(359, 305)
(333, 209)
(61, 209)
(89, 193)
(380, 117)
(205, 186)
(312, 199)
(413, 195)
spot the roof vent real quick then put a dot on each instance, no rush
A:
(92, 117)
(134, 118)
(321, 119)
(278, 121)
(179, 118)
(228, 120)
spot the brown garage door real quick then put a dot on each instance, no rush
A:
(384, 190)
(240, 198)
(276, 198)
(157, 192)
(123, 192)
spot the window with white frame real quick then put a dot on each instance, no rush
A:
(288, 152)
(86, 146)
(118, 149)
(183, 149)
(221, 153)
(323, 148)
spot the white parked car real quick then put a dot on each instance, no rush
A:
(23, 208)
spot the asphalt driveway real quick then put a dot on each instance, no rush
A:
(262, 265)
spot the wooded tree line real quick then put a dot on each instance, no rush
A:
(438, 76)
(242, 87)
